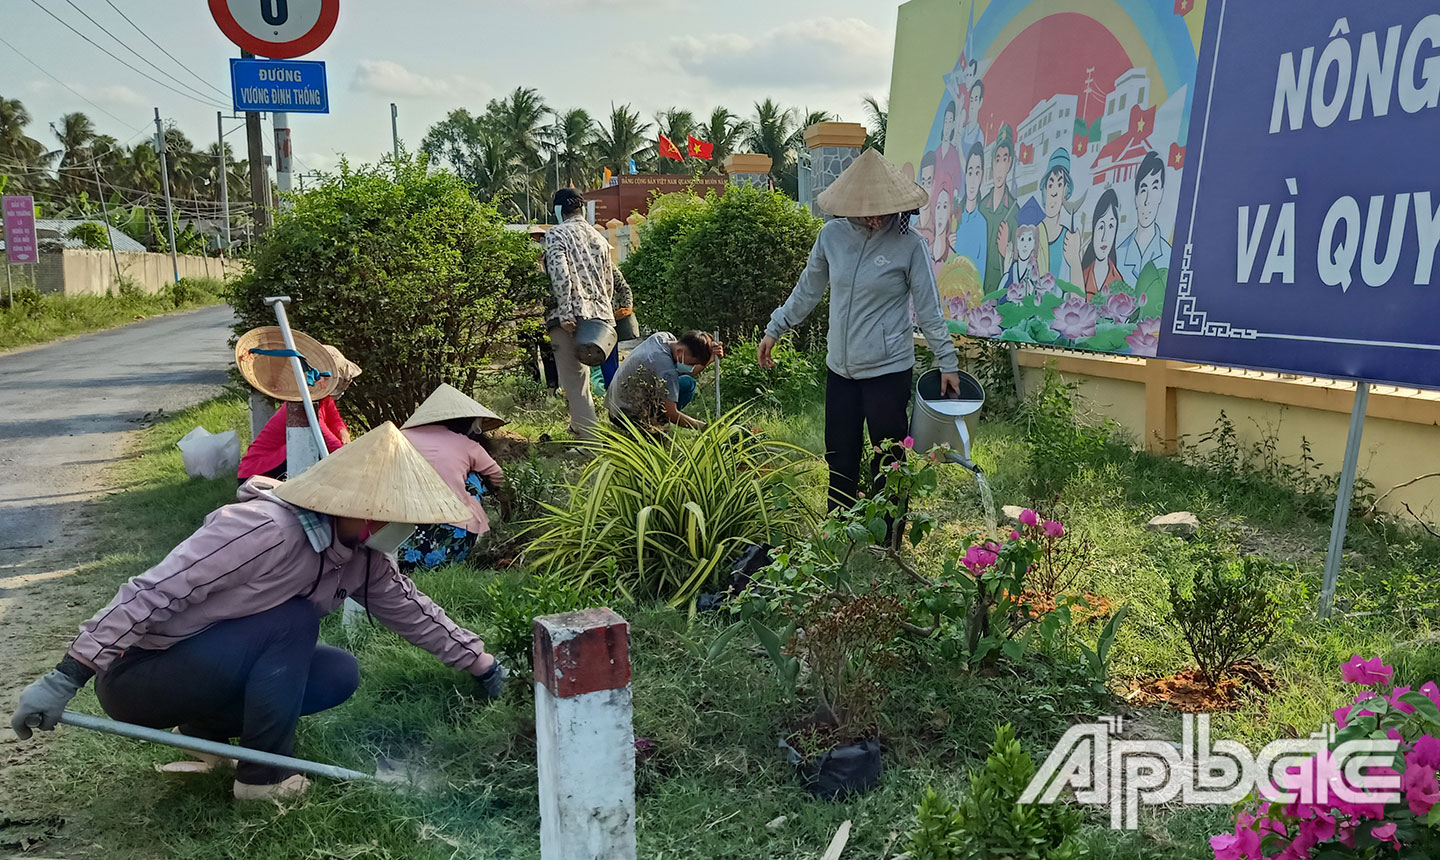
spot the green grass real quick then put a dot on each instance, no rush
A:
(717, 778)
(42, 317)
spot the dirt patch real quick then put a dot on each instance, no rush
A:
(1191, 692)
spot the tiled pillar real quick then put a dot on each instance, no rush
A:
(748, 168)
(833, 147)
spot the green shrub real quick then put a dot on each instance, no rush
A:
(127, 287)
(1230, 614)
(195, 291)
(723, 263)
(404, 272)
(796, 381)
(91, 234)
(990, 820)
(1060, 444)
(511, 602)
(22, 298)
(662, 518)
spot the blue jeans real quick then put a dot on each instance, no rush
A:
(609, 368)
(687, 391)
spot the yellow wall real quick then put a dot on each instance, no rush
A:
(931, 32)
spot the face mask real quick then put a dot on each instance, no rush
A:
(685, 369)
(366, 531)
(558, 216)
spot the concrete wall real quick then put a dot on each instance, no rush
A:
(1401, 436)
(92, 272)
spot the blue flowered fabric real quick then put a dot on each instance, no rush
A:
(432, 546)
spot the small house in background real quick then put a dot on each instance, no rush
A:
(54, 234)
(629, 194)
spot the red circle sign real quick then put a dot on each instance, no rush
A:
(278, 29)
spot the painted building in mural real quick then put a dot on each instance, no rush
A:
(1071, 117)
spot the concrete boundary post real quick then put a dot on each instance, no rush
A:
(584, 736)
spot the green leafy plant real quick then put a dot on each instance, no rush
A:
(661, 517)
(724, 262)
(511, 603)
(90, 234)
(1229, 615)
(1059, 442)
(848, 643)
(937, 834)
(194, 291)
(796, 380)
(991, 822)
(402, 270)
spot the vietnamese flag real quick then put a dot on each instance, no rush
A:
(668, 149)
(1027, 153)
(1177, 156)
(1142, 122)
(700, 149)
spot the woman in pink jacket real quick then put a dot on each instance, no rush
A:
(221, 639)
(446, 431)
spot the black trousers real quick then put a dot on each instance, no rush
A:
(851, 406)
(251, 678)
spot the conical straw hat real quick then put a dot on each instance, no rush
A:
(273, 375)
(447, 402)
(347, 369)
(379, 477)
(871, 186)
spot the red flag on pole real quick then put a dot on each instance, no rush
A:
(700, 149)
(668, 149)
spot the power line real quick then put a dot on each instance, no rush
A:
(46, 72)
(205, 101)
(165, 52)
(126, 45)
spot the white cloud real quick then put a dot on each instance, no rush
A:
(389, 78)
(106, 95)
(818, 54)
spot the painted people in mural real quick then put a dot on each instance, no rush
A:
(1057, 118)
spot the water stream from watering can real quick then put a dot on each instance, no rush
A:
(987, 501)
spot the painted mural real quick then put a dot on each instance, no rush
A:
(1055, 147)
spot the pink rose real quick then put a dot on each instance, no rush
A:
(1075, 318)
(1029, 517)
(1054, 529)
(909, 442)
(1119, 307)
(1372, 671)
(1145, 339)
(983, 321)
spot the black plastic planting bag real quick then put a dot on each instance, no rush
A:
(754, 559)
(841, 771)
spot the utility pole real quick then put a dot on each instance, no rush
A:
(224, 182)
(259, 176)
(165, 186)
(395, 134)
(105, 210)
(282, 157)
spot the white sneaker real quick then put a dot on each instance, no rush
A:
(291, 788)
(200, 763)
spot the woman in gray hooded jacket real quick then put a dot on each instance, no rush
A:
(875, 267)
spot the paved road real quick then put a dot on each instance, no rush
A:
(65, 411)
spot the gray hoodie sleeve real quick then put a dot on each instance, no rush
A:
(926, 295)
(808, 292)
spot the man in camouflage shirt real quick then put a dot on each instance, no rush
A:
(585, 284)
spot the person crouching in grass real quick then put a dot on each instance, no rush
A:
(658, 379)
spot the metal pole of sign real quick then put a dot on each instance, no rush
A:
(160, 147)
(395, 132)
(717, 379)
(1343, 496)
(9, 287)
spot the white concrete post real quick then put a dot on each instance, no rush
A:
(584, 736)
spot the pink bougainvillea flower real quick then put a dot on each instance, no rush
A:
(1426, 752)
(979, 558)
(1430, 689)
(1420, 787)
(1402, 707)
(1119, 307)
(1029, 517)
(1054, 529)
(1015, 534)
(1075, 318)
(1385, 832)
(909, 442)
(1372, 671)
(983, 321)
(1145, 339)
(1243, 844)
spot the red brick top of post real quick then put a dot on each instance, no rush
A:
(582, 652)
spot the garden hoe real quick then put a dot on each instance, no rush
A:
(387, 774)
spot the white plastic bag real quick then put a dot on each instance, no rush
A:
(210, 455)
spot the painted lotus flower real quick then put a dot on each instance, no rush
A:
(1119, 307)
(1075, 318)
(1017, 291)
(983, 321)
(959, 306)
(1048, 284)
(1145, 338)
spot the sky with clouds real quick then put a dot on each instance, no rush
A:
(431, 56)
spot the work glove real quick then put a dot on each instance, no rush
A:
(43, 702)
(492, 683)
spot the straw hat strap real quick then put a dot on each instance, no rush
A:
(312, 375)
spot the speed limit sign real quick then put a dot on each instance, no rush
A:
(278, 29)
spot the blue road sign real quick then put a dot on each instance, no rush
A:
(266, 86)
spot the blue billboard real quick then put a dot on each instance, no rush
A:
(267, 86)
(1309, 216)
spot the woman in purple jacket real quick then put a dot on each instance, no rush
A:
(221, 639)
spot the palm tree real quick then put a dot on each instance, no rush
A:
(621, 140)
(678, 125)
(573, 142)
(518, 121)
(726, 132)
(772, 133)
(76, 132)
(877, 115)
(23, 159)
(141, 169)
(474, 149)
